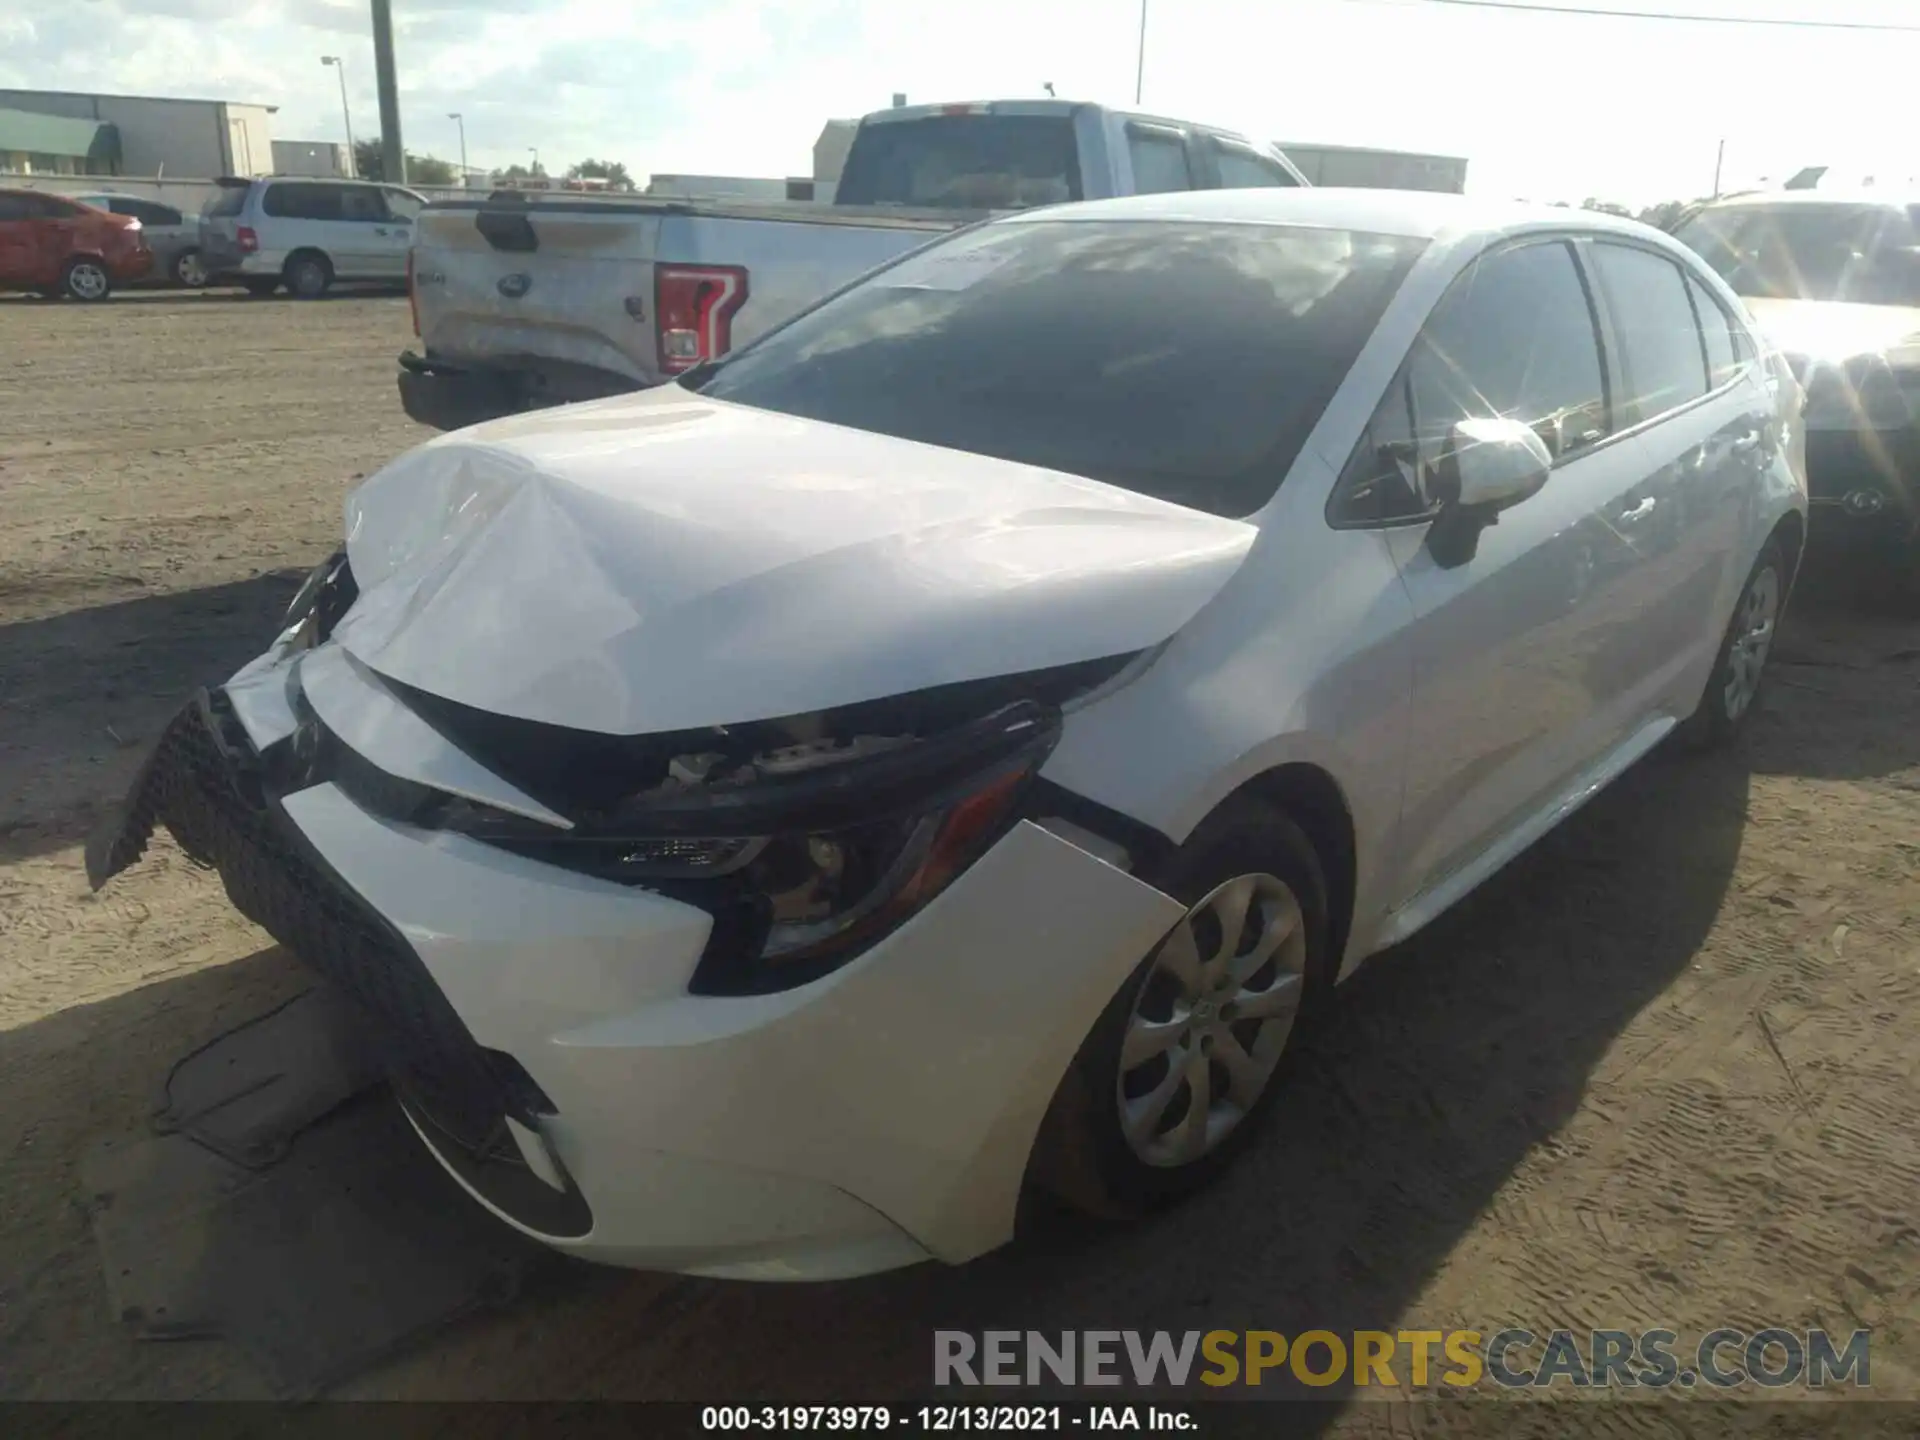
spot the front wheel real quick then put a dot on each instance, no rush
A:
(86, 279)
(1733, 690)
(1172, 1081)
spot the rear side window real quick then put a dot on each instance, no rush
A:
(403, 203)
(1653, 320)
(1159, 160)
(13, 207)
(52, 207)
(227, 202)
(1514, 337)
(1242, 168)
(1717, 332)
(963, 162)
(146, 212)
(304, 202)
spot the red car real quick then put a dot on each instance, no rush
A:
(58, 246)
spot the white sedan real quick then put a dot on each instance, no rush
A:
(954, 742)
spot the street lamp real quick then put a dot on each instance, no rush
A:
(1140, 70)
(353, 166)
(534, 150)
(454, 115)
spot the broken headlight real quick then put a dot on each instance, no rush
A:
(806, 855)
(320, 603)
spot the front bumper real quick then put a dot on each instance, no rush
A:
(1864, 483)
(540, 1033)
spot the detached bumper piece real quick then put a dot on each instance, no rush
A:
(208, 786)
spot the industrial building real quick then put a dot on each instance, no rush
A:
(1363, 169)
(326, 159)
(137, 135)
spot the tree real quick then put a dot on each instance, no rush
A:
(611, 171)
(1605, 207)
(421, 169)
(517, 171)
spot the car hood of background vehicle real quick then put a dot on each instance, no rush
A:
(1835, 331)
(664, 562)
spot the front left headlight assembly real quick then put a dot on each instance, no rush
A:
(320, 603)
(806, 856)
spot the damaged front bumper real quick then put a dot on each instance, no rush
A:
(542, 1032)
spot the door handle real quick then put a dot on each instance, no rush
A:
(1638, 512)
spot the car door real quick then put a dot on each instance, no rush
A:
(19, 248)
(364, 226)
(396, 236)
(1504, 713)
(1669, 537)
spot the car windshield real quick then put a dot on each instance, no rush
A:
(965, 162)
(1863, 253)
(1183, 361)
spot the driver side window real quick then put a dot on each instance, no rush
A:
(1515, 338)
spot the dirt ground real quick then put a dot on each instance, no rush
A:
(1661, 1073)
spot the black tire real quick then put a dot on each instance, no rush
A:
(260, 289)
(1718, 720)
(85, 279)
(308, 275)
(1082, 1156)
(180, 265)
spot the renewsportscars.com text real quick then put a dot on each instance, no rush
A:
(1513, 1358)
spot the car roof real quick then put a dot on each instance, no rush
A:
(1420, 214)
(1814, 199)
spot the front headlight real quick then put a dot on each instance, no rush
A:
(808, 855)
(323, 598)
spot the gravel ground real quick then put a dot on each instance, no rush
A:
(1661, 1073)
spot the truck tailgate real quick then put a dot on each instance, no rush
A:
(568, 283)
(562, 290)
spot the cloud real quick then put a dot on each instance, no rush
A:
(1550, 106)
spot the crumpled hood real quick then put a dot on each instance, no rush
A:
(661, 562)
(1832, 332)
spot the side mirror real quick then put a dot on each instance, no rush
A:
(1490, 465)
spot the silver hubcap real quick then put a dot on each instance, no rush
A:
(191, 271)
(1211, 1020)
(89, 281)
(1753, 625)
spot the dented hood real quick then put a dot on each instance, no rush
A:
(663, 562)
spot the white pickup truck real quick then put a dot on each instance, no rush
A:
(523, 299)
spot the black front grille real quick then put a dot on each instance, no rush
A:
(204, 784)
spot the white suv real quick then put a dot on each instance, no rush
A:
(306, 234)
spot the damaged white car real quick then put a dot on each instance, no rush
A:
(952, 743)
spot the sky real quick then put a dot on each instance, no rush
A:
(1546, 107)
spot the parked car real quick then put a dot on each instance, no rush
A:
(173, 237)
(306, 234)
(524, 299)
(1834, 279)
(958, 739)
(55, 246)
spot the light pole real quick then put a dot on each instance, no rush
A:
(534, 150)
(454, 115)
(1140, 70)
(353, 164)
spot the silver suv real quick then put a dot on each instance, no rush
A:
(306, 233)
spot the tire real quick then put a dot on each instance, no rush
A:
(260, 289)
(1084, 1154)
(308, 276)
(1739, 668)
(85, 279)
(188, 272)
